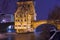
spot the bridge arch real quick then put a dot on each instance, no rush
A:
(45, 27)
(42, 32)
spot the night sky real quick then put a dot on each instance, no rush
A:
(43, 7)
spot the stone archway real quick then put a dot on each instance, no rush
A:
(42, 32)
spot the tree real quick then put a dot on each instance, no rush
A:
(55, 15)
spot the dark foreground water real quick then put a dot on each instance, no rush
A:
(26, 36)
(14, 36)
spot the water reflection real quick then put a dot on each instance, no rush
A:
(26, 36)
(10, 37)
(42, 32)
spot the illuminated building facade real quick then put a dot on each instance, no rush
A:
(24, 16)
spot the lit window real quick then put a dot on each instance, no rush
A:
(25, 20)
(15, 25)
(24, 15)
(20, 15)
(24, 25)
(19, 25)
(16, 20)
(31, 25)
(21, 20)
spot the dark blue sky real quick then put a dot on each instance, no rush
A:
(43, 7)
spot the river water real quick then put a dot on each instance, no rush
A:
(26, 36)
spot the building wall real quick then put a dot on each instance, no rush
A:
(24, 16)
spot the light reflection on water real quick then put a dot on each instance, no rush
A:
(6, 37)
(26, 36)
(10, 37)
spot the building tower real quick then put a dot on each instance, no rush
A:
(24, 16)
